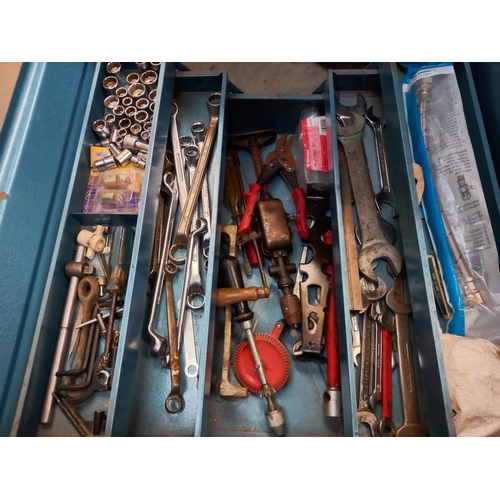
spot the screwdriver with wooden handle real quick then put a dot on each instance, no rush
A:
(233, 194)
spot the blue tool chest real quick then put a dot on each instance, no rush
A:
(44, 169)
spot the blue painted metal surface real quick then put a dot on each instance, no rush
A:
(37, 146)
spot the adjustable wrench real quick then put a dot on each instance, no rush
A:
(385, 195)
(375, 245)
(412, 426)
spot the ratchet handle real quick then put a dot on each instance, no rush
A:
(231, 277)
(386, 374)
(332, 335)
(251, 198)
(299, 197)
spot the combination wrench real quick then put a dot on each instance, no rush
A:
(375, 245)
(179, 164)
(385, 195)
(182, 236)
(412, 426)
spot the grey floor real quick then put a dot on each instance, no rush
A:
(252, 78)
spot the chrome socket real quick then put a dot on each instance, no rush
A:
(105, 163)
(145, 135)
(137, 90)
(150, 79)
(103, 144)
(131, 111)
(122, 132)
(110, 119)
(133, 78)
(131, 142)
(142, 66)
(152, 95)
(138, 162)
(101, 129)
(111, 101)
(121, 92)
(110, 84)
(147, 126)
(115, 150)
(155, 66)
(114, 135)
(142, 155)
(115, 69)
(152, 107)
(124, 157)
(141, 117)
(125, 122)
(142, 103)
(119, 110)
(127, 101)
(119, 141)
(135, 129)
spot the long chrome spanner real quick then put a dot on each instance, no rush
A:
(179, 164)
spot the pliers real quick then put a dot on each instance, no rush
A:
(278, 161)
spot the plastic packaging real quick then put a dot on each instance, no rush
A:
(453, 202)
(310, 152)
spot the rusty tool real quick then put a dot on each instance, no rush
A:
(230, 273)
(226, 387)
(278, 161)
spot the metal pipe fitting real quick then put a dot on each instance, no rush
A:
(137, 90)
(110, 84)
(115, 69)
(127, 101)
(132, 142)
(121, 92)
(142, 103)
(142, 66)
(130, 111)
(141, 117)
(152, 95)
(133, 78)
(105, 163)
(152, 107)
(118, 110)
(125, 122)
(110, 119)
(138, 162)
(145, 135)
(124, 157)
(150, 79)
(101, 129)
(135, 129)
(147, 126)
(155, 66)
(111, 101)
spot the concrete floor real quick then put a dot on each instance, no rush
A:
(252, 78)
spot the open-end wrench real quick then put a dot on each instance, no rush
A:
(173, 403)
(375, 245)
(412, 426)
(385, 195)
(365, 414)
(181, 238)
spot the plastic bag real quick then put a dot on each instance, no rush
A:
(453, 202)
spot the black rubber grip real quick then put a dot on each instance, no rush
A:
(231, 277)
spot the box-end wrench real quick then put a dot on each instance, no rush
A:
(158, 342)
(375, 245)
(199, 131)
(412, 426)
(182, 236)
(385, 195)
(179, 164)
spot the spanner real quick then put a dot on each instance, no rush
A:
(365, 415)
(412, 426)
(375, 246)
(179, 164)
(385, 195)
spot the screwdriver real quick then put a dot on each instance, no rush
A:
(233, 194)
(230, 274)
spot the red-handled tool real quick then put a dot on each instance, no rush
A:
(332, 403)
(386, 425)
(278, 161)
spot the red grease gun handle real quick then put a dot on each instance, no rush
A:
(299, 197)
(251, 198)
